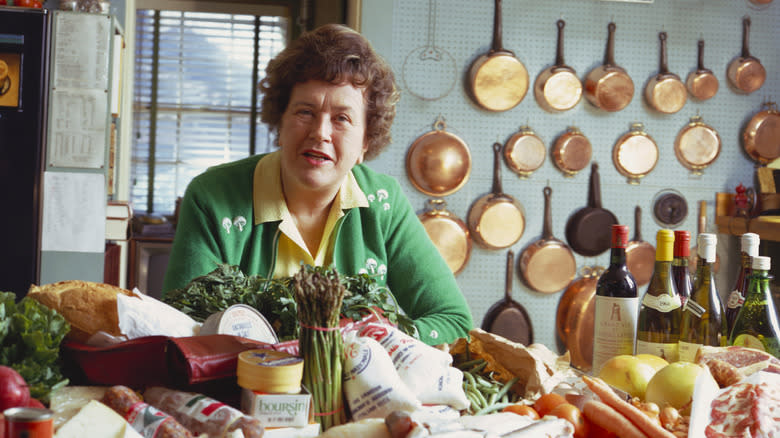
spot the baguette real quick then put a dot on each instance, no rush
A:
(89, 307)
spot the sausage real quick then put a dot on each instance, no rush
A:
(202, 414)
(144, 418)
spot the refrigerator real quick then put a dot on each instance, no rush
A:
(24, 78)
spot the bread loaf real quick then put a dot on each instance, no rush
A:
(89, 307)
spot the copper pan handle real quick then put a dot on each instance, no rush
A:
(547, 224)
(497, 188)
(559, 48)
(609, 55)
(745, 37)
(637, 223)
(663, 66)
(700, 62)
(497, 31)
(510, 263)
(594, 192)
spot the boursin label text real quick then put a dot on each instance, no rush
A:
(291, 407)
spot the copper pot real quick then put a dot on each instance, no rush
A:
(761, 136)
(438, 163)
(665, 92)
(547, 265)
(745, 73)
(558, 88)
(635, 154)
(608, 86)
(496, 220)
(702, 83)
(697, 145)
(572, 151)
(640, 255)
(498, 81)
(524, 152)
(574, 317)
(449, 233)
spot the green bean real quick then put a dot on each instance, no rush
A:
(478, 368)
(507, 386)
(470, 379)
(470, 363)
(492, 408)
(492, 399)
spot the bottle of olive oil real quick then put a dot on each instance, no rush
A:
(703, 318)
(616, 305)
(749, 243)
(660, 312)
(756, 325)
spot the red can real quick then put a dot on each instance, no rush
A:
(29, 423)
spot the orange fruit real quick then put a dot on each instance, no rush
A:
(522, 409)
(546, 403)
(573, 415)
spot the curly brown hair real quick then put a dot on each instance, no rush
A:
(333, 53)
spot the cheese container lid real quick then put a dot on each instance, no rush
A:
(240, 320)
(269, 371)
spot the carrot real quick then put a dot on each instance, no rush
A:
(639, 418)
(610, 419)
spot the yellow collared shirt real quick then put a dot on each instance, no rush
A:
(270, 206)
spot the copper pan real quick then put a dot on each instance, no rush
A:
(524, 152)
(745, 73)
(697, 145)
(507, 317)
(498, 81)
(761, 135)
(702, 83)
(665, 92)
(701, 228)
(640, 255)
(438, 163)
(609, 87)
(547, 265)
(635, 154)
(449, 233)
(496, 220)
(572, 151)
(558, 88)
(574, 317)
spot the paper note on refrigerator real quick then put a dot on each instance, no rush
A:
(74, 212)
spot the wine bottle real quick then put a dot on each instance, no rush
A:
(658, 326)
(756, 325)
(616, 305)
(703, 318)
(680, 271)
(749, 249)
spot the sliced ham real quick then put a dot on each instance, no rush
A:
(729, 365)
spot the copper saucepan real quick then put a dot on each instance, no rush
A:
(449, 233)
(575, 315)
(697, 145)
(745, 73)
(558, 88)
(640, 255)
(438, 163)
(498, 81)
(547, 265)
(665, 92)
(702, 83)
(572, 151)
(507, 317)
(761, 135)
(635, 154)
(524, 152)
(608, 86)
(496, 220)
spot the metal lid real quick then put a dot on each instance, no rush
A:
(762, 263)
(27, 415)
(750, 243)
(706, 246)
(240, 320)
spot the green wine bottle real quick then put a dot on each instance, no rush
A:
(703, 318)
(756, 325)
(660, 312)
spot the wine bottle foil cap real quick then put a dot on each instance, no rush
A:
(664, 245)
(682, 243)
(619, 236)
(762, 263)
(706, 245)
(750, 243)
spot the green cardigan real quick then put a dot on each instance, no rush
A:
(215, 225)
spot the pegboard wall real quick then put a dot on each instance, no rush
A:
(463, 30)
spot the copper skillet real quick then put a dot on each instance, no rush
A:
(558, 88)
(572, 151)
(697, 145)
(761, 135)
(635, 154)
(745, 73)
(702, 83)
(640, 255)
(496, 220)
(524, 152)
(438, 163)
(665, 92)
(498, 81)
(547, 265)
(507, 317)
(609, 87)
(449, 233)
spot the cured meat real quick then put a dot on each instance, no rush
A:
(144, 418)
(746, 409)
(202, 414)
(729, 365)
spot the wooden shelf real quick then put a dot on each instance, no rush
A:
(767, 227)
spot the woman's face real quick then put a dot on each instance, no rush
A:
(322, 136)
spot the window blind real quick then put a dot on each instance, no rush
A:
(194, 106)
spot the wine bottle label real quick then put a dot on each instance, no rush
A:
(735, 299)
(695, 308)
(666, 351)
(614, 328)
(662, 303)
(687, 351)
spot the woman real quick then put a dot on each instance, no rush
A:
(331, 101)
